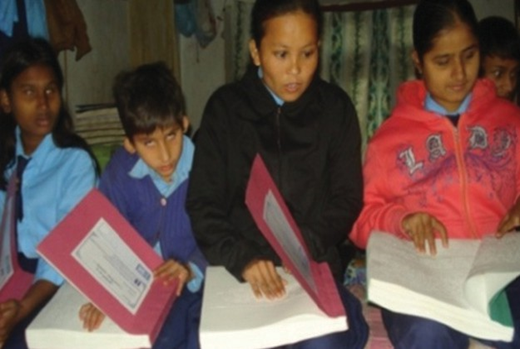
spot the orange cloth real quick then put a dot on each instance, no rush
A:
(67, 27)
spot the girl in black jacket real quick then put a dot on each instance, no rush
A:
(307, 132)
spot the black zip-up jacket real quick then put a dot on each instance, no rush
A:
(310, 146)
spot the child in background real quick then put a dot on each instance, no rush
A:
(307, 132)
(147, 180)
(36, 129)
(500, 54)
(446, 164)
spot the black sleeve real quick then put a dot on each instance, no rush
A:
(210, 195)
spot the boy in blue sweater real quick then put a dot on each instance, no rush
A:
(146, 180)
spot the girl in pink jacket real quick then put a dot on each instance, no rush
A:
(446, 164)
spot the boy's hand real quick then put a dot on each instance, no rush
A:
(422, 227)
(264, 280)
(8, 314)
(171, 270)
(91, 316)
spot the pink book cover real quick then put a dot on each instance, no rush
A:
(17, 284)
(78, 237)
(316, 278)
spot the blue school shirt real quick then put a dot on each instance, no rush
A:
(54, 181)
(279, 102)
(129, 171)
(431, 105)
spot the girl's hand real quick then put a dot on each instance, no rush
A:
(91, 316)
(171, 270)
(8, 314)
(422, 228)
(264, 280)
(510, 221)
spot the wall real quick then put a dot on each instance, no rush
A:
(123, 34)
(504, 8)
(202, 70)
(89, 80)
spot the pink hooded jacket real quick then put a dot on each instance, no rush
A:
(467, 177)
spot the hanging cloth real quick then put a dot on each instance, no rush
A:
(67, 27)
(34, 13)
(8, 16)
(196, 17)
(36, 19)
(15, 23)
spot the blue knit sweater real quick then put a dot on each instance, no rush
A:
(156, 218)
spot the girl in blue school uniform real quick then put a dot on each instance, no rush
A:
(36, 130)
(308, 135)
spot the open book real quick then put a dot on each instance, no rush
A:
(14, 282)
(232, 318)
(461, 286)
(101, 255)
(58, 326)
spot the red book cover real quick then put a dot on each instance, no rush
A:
(278, 226)
(106, 260)
(14, 282)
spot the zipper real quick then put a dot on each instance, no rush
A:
(459, 154)
(279, 145)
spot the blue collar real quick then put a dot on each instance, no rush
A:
(431, 105)
(40, 153)
(277, 99)
(141, 170)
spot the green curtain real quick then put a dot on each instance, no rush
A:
(367, 53)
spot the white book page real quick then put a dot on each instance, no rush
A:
(232, 318)
(441, 277)
(496, 264)
(58, 326)
(286, 237)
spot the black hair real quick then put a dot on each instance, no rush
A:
(15, 60)
(499, 37)
(431, 17)
(264, 10)
(148, 97)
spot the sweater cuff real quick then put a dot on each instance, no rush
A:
(195, 283)
(397, 218)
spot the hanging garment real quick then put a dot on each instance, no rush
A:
(67, 27)
(8, 16)
(15, 24)
(196, 17)
(36, 19)
(32, 10)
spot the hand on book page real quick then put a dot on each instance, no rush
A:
(275, 222)
(457, 287)
(167, 272)
(264, 279)
(101, 255)
(232, 318)
(172, 270)
(423, 228)
(511, 222)
(91, 316)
